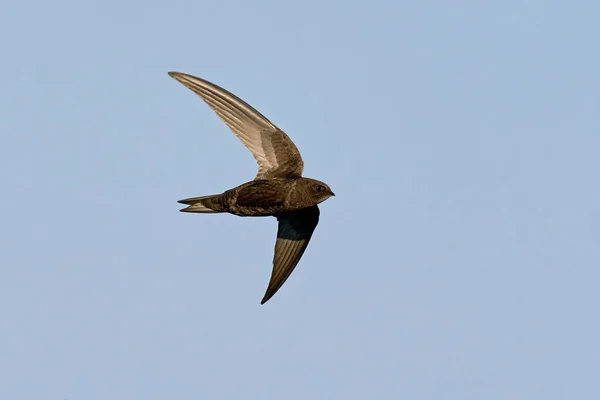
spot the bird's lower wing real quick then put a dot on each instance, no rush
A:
(293, 234)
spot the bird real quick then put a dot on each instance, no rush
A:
(278, 190)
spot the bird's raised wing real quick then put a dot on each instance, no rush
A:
(277, 156)
(293, 234)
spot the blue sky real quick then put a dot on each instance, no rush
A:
(459, 260)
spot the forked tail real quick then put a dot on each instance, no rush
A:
(203, 204)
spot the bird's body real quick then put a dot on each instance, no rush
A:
(278, 190)
(258, 198)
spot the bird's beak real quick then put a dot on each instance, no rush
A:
(333, 194)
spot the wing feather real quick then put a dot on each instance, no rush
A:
(277, 156)
(293, 234)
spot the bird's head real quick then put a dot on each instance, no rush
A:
(314, 190)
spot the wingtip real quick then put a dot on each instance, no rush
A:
(176, 75)
(266, 298)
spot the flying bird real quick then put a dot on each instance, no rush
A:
(278, 189)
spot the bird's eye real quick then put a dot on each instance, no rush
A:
(319, 188)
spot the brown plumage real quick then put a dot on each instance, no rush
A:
(278, 189)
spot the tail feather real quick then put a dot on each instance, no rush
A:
(196, 205)
(193, 200)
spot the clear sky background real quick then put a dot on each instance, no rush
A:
(459, 260)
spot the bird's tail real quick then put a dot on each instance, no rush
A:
(203, 204)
